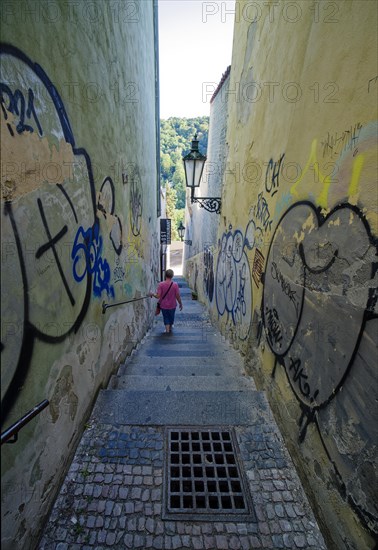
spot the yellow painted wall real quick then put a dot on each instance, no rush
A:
(295, 264)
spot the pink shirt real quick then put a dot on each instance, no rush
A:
(169, 302)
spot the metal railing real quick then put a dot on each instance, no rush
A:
(107, 306)
(12, 431)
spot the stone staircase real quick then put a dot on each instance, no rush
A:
(191, 377)
(126, 489)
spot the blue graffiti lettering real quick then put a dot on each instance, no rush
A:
(87, 256)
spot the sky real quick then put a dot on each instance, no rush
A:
(195, 48)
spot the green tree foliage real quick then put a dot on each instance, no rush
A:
(178, 184)
(176, 215)
(176, 136)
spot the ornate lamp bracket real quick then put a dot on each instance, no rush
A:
(211, 204)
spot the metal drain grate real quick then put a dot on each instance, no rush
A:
(203, 476)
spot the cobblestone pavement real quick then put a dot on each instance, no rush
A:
(114, 493)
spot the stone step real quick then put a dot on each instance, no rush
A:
(200, 368)
(186, 330)
(188, 408)
(205, 344)
(203, 366)
(185, 335)
(182, 338)
(182, 383)
(196, 321)
(178, 351)
(186, 345)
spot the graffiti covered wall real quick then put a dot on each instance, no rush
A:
(296, 263)
(78, 216)
(201, 221)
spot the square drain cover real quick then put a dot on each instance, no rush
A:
(203, 477)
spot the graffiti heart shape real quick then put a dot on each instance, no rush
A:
(315, 296)
(233, 290)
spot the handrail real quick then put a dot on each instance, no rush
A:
(13, 430)
(106, 306)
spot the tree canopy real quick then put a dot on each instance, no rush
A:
(176, 136)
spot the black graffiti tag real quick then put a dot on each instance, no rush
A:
(136, 206)
(273, 326)
(20, 107)
(285, 286)
(301, 378)
(208, 261)
(272, 176)
(261, 211)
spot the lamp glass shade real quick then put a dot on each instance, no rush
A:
(193, 172)
(194, 163)
(181, 230)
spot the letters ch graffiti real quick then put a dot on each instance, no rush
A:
(272, 175)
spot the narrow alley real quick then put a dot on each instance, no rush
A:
(235, 143)
(181, 451)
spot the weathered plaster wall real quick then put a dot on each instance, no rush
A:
(201, 225)
(296, 266)
(79, 227)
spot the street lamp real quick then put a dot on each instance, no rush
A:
(194, 163)
(181, 231)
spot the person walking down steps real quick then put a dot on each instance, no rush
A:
(168, 293)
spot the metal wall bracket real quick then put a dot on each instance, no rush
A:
(211, 204)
